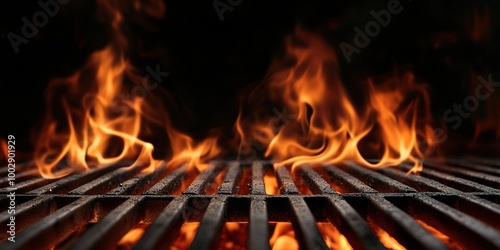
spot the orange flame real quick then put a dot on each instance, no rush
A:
(386, 239)
(186, 235)
(283, 237)
(333, 238)
(96, 130)
(447, 240)
(130, 238)
(185, 150)
(326, 126)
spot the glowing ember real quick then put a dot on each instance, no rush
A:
(234, 236)
(327, 127)
(270, 184)
(450, 242)
(332, 237)
(283, 237)
(186, 235)
(384, 237)
(129, 239)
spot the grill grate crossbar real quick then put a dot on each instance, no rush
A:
(458, 197)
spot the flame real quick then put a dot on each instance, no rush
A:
(450, 242)
(97, 130)
(186, 235)
(325, 125)
(270, 184)
(283, 237)
(129, 239)
(333, 238)
(185, 150)
(387, 240)
(90, 131)
(234, 236)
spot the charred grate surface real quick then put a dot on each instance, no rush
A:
(451, 203)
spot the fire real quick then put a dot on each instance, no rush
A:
(452, 244)
(97, 130)
(326, 126)
(270, 184)
(129, 239)
(234, 236)
(283, 237)
(185, 150)
(333, 238)
(186, 235)
(384, 237)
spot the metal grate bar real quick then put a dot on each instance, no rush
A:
(352, 225)
(380, 182)
(20, 177)
(490, 162)
(139, 184)
(27, 185)
(170, 183)
(486, 179)
(304, 225)
(107, 182)
(465, 207)
(402, 226)
(57, 226)
(20, 167)
(230, 183)
(73, 181)
(420, 183)
(166, 227)
(257, 179)
(347, 181)
(315, 182)
(474, 166)
(26, 213)
(484, 210)
(258, 228)
(208, 234)
(113, 226)
(203, 180)
(285, 181)
(452, 181)
(466, 230)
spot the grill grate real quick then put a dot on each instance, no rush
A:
(95, 209)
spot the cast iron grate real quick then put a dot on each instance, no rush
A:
(93, 210)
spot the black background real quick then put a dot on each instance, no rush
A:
(212, 62)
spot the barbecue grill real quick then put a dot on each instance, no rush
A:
(457, 197)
